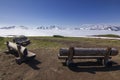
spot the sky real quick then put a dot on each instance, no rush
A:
(59, 12)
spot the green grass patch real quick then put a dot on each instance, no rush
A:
(1, 43)
(109, 35)
(43, 42)
(58, 42)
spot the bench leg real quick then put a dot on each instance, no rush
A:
(107, 63)
(18, 60)
(68, 62)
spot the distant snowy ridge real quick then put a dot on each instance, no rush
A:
(85, 27)
(56, 30)
(14, 27)
(81, 27)
(102, 27)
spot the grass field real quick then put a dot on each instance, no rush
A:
(109, 35)
(58, 42)
(47, 66)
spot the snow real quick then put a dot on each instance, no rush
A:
(66, 32)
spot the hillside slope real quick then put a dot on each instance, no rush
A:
(46, 65)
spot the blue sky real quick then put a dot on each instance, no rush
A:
(59, 12)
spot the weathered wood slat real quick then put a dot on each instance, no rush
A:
(31, 54)
(82, 57)
(22, 51)
(88, 52)
(14, 46)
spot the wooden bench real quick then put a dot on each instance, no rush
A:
(23, 53)
(87, 53)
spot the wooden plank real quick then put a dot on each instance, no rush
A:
(31, 54)
(14, 46)
(88, 52)
(82, 57)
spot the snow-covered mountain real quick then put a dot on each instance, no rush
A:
(102, 27)
(85, 27)
(47, 28)
(9, 27)
(82, 30)
(14, 27)
(81, 27)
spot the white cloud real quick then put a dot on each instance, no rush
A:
(72, 33)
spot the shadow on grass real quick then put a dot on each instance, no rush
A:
(92, 67)
(32, 62)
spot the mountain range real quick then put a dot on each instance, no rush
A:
(82, 27)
